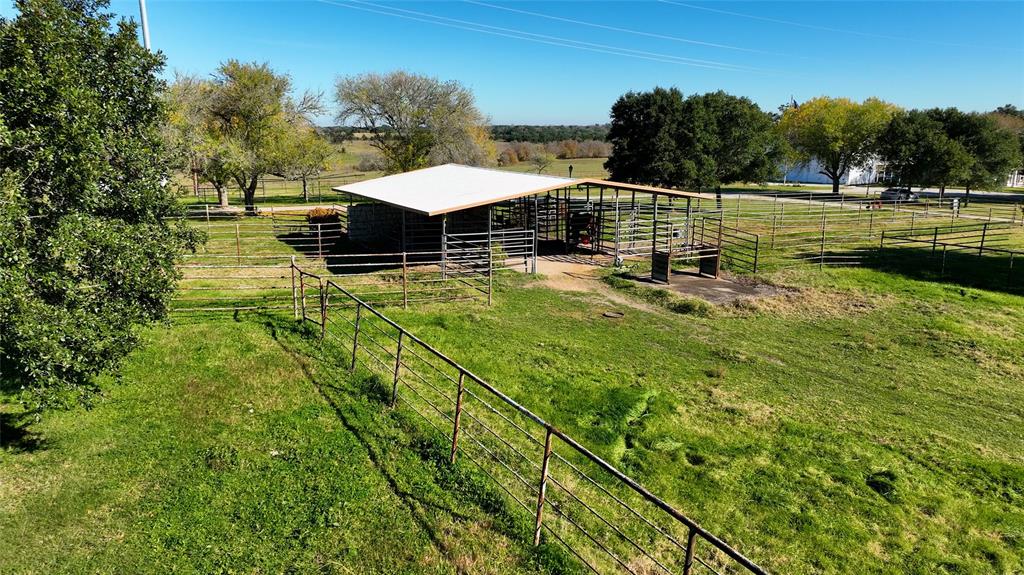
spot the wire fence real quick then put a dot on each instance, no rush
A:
(572, 498)
(245, 262)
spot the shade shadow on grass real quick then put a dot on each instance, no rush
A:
(964, 267)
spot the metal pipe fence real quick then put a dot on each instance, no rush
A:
(569, 495)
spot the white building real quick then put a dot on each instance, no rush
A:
(810, 173)
(1015, 179)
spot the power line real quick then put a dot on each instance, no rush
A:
(627, 30)
(538, 38)
(837, 30)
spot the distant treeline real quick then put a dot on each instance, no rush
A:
(501, 133)
(546, 134)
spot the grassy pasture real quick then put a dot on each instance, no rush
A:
(224, 448)
(866, 423)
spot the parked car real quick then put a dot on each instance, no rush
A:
(899, 195)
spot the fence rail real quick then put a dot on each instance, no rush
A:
(572, 497)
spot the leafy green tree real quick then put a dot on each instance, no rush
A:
(302, 154)
(250, 110)
(702, 142)
(415, 121)
(839, 133)
(643, 138)
(87, 251)
(723, 139)
(916, 147)
(186, 129)
(994, 151)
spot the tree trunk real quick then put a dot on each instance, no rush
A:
(835, 186)
(942, 191)
(967, 195)
(222, 195)
(305, 193)
(250, 196)
(718, 197)
(195, 183)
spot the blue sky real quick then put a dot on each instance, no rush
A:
(567, 62)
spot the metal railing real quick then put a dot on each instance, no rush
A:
(567, 495)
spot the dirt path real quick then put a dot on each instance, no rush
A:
(574, 276)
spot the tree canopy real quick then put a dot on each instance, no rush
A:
(837, 132)
(414, 120)
(917, 149)
(241, 124)
(87, 245)
(703, 141)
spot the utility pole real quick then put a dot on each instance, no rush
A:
(145, 23)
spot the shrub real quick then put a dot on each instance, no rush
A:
(88, 245)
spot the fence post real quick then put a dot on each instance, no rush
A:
(913, 220)
(871, 222)
(984, 232)
(238, 246)
(398, 369)
(323, 309)
(772, 245)
(458, 415)
(405, 280)
(881, 242)
(757, 250)
(821, 258)
(302, 295)
(207, 217)
(295, 292)
(542, 491)
(355, 335)
(691, 541)
(935, 239)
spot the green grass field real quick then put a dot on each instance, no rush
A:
(867, 423)
(224, 448)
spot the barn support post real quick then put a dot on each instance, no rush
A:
(490, 256)
(654, 226)
(537, 229)
(617, 234)
(405, 280)
(444, 246)
(542, 490)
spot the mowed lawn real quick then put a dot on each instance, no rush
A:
(865, 423)
(217, 453)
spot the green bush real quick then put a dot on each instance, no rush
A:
(88, 244)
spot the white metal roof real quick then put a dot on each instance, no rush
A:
(452, 187)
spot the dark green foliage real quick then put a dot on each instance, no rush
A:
(86, 254)
(701, 142)
(915, 146)
(993, 150)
